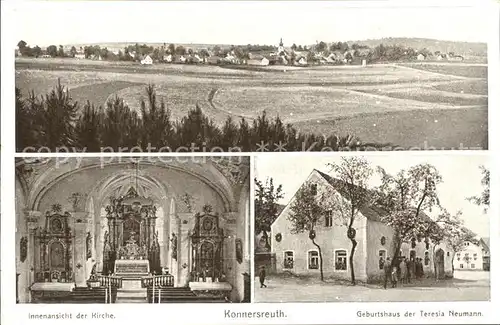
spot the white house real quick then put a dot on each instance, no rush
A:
(301, 61)
(295, 253)
(474, 256)
(261, 61)
(168, 58)
(147, 60)
(420, 57)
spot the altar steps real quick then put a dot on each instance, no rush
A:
(179, 295)
(131, 296)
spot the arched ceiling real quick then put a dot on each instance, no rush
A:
(226, 176)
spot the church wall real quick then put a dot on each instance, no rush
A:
(242, 232)
(23, 268)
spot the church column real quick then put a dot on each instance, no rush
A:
(32, 258)
(101, 228)
(174, 256)
(80, 230)
(184, 248)
(229, 252)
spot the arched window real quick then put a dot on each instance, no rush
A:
(382, 255)
(426, 258)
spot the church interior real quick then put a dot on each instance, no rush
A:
(132, 230)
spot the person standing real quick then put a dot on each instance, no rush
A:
(387, 271)
(403, 270)
(408, 270)
(394, 276)
(262, 276)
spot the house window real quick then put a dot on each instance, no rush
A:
(475, 256)
(314, 189)
(461, 266)
(288, 261)
(341, 260)
(382, 255)
(473, 266)
(448, 254)
(329, 219)
(313, 257)
(426, 258)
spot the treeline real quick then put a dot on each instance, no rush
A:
(55, 121)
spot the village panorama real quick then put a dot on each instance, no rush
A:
(388, 94)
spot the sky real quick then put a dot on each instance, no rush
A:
(461, 178)
(238, 22)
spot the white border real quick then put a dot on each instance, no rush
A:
(319, 313)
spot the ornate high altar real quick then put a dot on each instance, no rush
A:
(131, 245)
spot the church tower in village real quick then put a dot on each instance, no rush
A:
(281, 48)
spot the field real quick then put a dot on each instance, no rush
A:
(410, 105)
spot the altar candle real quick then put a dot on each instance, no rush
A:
(159, 296)
(105, 295)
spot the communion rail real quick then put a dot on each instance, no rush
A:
(158, 281)
(109, 281)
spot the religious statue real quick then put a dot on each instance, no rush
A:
(173, 240)
(24, 249)
(239, 250)
(89, 245)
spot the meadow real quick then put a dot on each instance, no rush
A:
(443, 105)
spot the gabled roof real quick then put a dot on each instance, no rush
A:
(486, 242)
(372, 213)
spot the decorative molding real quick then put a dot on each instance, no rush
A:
(188, 200)
(233, 169)
(77, 201)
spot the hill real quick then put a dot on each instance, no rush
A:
(463, 48)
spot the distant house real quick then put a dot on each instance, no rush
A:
(420, 57)
(80, 55)
(301, 61)
(258, 61)
(474, 256)
(180, 59)
(456, 58)
(214, 60)
(147, 60)
(167, 58)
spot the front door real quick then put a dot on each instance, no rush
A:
(440, 263)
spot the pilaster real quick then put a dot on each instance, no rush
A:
(81, 268)
(32, 223)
